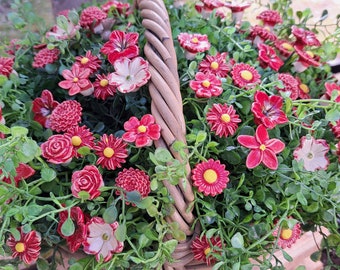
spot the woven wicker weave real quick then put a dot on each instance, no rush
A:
(167, 109)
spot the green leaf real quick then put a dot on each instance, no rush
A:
(84, 150)
(68, 228)
(301, 267)
(42, 264)
(218, 266)
(170, 245)
(17, 131)
(110, 214)
(15, 233)
(315, 257)
(201, 136)
(83, 195)
(301, 198)
(120, 233)
(287, 256)
(145, 203)
(163, 155)
(237, 241)
(33, 210)
(4, 129)
(48, 174)
(133, 196)
(76, 266)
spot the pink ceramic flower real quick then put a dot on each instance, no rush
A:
(58, 33)
(260, 34)
(89, 61)
(290, 85)
(262, 149)
(203, 247)
(91, 16)
(206, 85)
(44, 57)
(23, 171)
(284, 47)
(215, 64)
(193, 43)
(65, 115)
(42, 108)
(245, 76)
(331, 89)
(268, 57)
(6, 66)
(288, 236)
(313, 153)
(303, 89)
(142, 132)
(269, 18)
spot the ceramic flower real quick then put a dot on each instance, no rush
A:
(204, 248)
(332, 90)
(269, 18)
(215, 64)
(304, 91)
(104, 87)
(268, 57)
(313, 153)
(88, 61)
(237, 9)
(42, 108)
(287, 236)
(290, 85)
(305, 60)
(45, 56)
(58, 149)
(130, 75)
(260, 34)
(284, 47)
(193, 43)
(91, 17)
(245, 76)
(262, 148)
(23, 171)
(304, 37)
(101, 240)
(6, 66)
(206, 85)
(142, 132)
(80, 136)
(60, 33)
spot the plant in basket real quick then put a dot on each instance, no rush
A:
(154, 135)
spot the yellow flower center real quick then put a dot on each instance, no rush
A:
(311, 54)
(304, 88)
(75, 79)
(286, 234)
(105, 237)
(246, 75)
(84, 60)
(225, 118)
(108, 152)
(194, 40)
(210, 176)
(206, 251)
(214, 65)
(19, 247)
(141, 129)
(76, 141)
(206, 83)
(104, 82)
(287, 46)
(262, 147)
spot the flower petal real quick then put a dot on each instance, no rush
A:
(261, 134)
(254, 158)
(270, 159)
(248, 141)
(275, 145)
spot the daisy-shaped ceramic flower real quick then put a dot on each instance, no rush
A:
(245, 76)
(223, 119)
(304, 91)
(215, 64)
(305, 60)
(268, 110)
(206, 85)
(88, 61)
(101, 240)
(27, 247)
(80, 136)
(210, 177)
(142, 132)
(203, 248)
(104, 87)
(129, 74)
(262, 149)
(193, 43)
(313, 153)
(287, 236)
(284, 47)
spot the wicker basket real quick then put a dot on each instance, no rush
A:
(167, 109)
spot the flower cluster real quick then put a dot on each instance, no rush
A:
(84, 166)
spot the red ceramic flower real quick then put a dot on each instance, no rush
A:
(130, 74)
(27, 248)
(13, 47)
(44, 57)
(133, 180)
(2, 118)
(285, 47)
(23, 171)
(268, 110)
(203, 248)
(58, 149)
(89, 179)
(303, 89)
(120, 45)
(269, 18)
(91, 17)
(80, 136)
(6, 66)
(304, 38)
(290, 85)
(142, 132)
(288, 236)
(305, 59)
(88, 61)
(237, 6)
(210, 177)
(42, 108)
(75, 240)
(268, 57)
(206, 85)
(193, 43)
(336, 129)
(77, 81)
(260, 34)
(112, 152)
(104, 86)
(262, 149)
(330, 89)
(66, 115)
(223, 119)
(215, 64)
(206, 7)
(245, 76)
(61, 33)
(120, 7)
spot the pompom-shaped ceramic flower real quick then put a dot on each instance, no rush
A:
(288, 236)
(268, 57)
(313, 153)
(290, 85)
(206, 85)
(134, 180)
(269, 18)
(223, 119)
(89, 179)
(204, 247)
(91, 16)
(101, 240)
(304, 37)
(66, 115)
(6, 66)
(245, 76)
(27, 247)
(42, 108)
(45, 56)
(210, 177)
(58, 149)
(129, 74)
(142, 132)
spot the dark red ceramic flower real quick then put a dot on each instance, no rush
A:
(215, 64)
(203, 248)
(331, 89)
(104, 86)
(223, 119)
(303, 89)
(112, 152)
(262, 149)
(290, 85)
(269, 17)
(66, 115)
(245, 76)
(58, 149)
(27, 248)
(133, 180)
(285, 47)
(307, 58)
(80, 136)
(44, 57)
(304, 37)
(2, 118)
(268, 57)
(89, 61)
(6, 66)
(75, 240)
(42, 108)
(260, 34)
(91, 17)
(268, 110)
(142, 132)
(206, 85)
(336, 129)
(288, 236)
(23, 171)
(120, 45)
